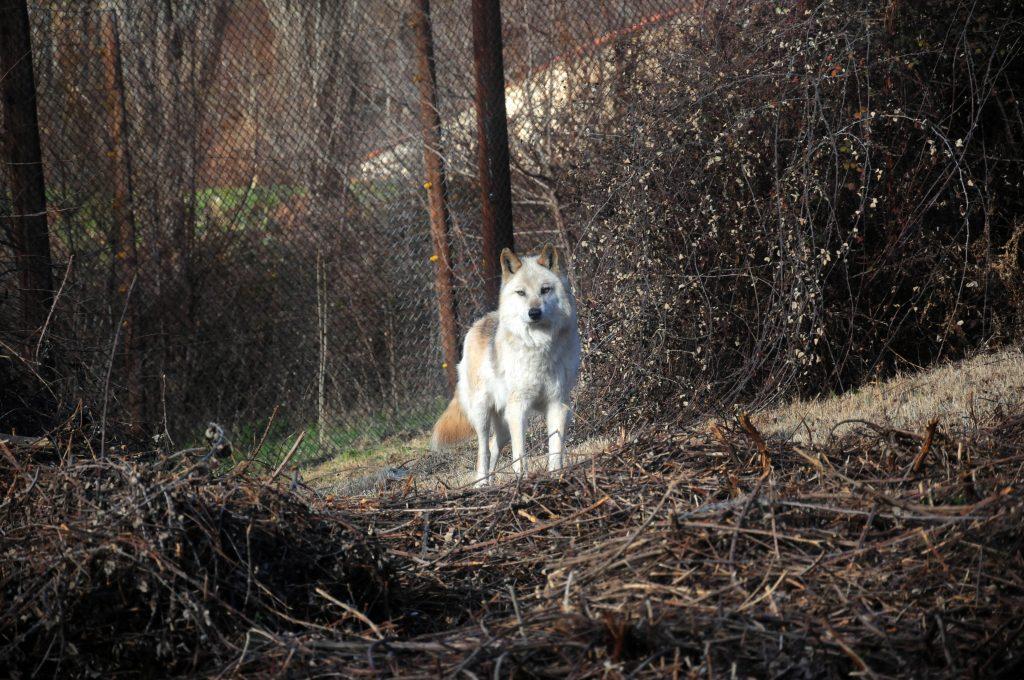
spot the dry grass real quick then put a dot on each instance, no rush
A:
(391, 454)
(411, 462)
(962, 395)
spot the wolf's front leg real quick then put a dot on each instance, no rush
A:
(557, 422)
(499, 437)
(515, 416)
(483, 436)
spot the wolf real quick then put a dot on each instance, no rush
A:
(521, 358)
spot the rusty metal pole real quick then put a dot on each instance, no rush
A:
(126, 257)
(492, 144)
(436, 186)
(23, 156)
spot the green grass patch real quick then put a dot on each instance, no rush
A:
(359, 437)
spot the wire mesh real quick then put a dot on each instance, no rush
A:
(236, 194)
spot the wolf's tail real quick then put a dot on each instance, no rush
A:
(451, 428)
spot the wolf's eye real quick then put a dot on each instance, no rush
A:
(545, 290)
(521, 292)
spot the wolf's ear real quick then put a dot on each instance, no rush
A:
(549, 258)
(510, 264)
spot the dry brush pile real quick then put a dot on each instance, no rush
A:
(678, 553)
(126, 563)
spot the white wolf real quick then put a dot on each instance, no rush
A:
(522, 358)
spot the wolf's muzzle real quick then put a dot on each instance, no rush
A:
(535, 313)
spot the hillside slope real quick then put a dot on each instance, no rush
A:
(963, 395)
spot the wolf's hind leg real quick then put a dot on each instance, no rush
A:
(483, 436)
(499, 437)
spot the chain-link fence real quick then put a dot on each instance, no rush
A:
(237, 206)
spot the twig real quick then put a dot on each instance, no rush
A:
(529, 532)
(743, 514)
(929, 435)
(716, 431)
(110, 367)
(643, 526)
(351, 610)
(849, 651)
(53, 306)
(515, 608)
(21, 442)
(759, 442)
(295, 447)
(8, 455)
(259, 447)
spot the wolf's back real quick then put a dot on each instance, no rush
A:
(451, 428)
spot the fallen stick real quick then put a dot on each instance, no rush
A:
(295, 447)
(759, 442)
(929, 435)
(19, 442)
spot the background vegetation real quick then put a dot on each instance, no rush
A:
(796, 200)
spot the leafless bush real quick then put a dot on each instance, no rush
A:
(794, 201)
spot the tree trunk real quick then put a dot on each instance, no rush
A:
(22, 151)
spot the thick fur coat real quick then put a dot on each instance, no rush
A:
(520, 359)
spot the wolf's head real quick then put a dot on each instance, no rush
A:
(535, 293)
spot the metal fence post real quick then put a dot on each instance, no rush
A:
(437, 186)
(125, 246)
(492, 145)
(23, 157)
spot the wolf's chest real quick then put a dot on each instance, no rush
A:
(532, 375)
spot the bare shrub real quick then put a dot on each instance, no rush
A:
(792, 201)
